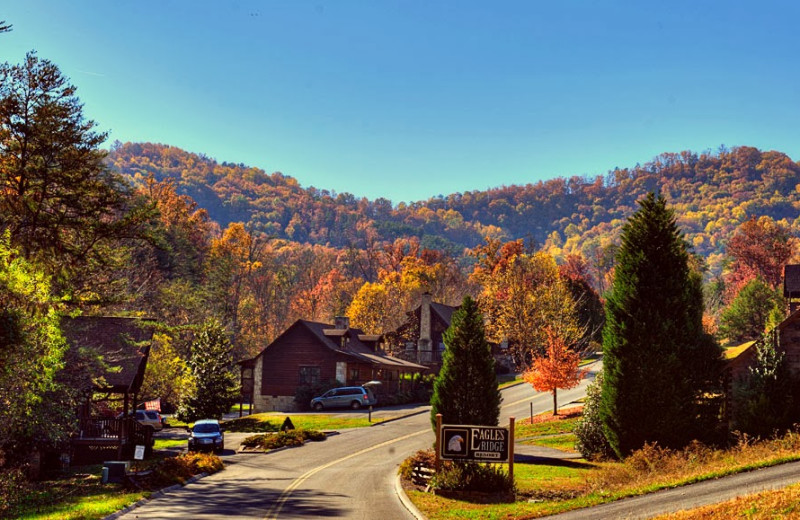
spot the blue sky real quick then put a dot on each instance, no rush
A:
(408, 100)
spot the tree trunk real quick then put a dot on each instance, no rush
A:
(555, 401)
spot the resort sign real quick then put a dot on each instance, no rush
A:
(475, 443)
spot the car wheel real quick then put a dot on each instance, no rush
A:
(318, 407)
(355, 405)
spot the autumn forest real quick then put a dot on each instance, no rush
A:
(151, 230)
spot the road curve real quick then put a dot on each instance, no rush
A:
(350, 475)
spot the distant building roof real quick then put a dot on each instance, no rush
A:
(124, 344)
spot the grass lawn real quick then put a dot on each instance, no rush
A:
(544, 489)
(781, 503)
(79, 495)
(161, 444)
(564, 442)
(271, 422)
(506, 380)
(244, 407)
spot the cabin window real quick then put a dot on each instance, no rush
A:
(354, 374)
(309, 375)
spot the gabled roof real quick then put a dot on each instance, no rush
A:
(445, 312)
(330, 337)
(124, 344)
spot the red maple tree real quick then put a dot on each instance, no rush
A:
(558, 368)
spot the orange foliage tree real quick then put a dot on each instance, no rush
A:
(557, 368)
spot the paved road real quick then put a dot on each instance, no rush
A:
(690, 497)
(350, 475)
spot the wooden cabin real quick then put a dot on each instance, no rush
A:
(309, 352)
(124, 344)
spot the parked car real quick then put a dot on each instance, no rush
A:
(206, 434)
(347, 396)
(149, 418)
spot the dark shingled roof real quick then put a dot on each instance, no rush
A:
(329, 336)
(791, 281)
(444, 311)
(124, 344)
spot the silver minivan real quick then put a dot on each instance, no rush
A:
(347, 396)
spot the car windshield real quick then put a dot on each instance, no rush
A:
(206, 428)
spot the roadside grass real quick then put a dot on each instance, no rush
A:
(506, 380)
(563, 485)
(781, 503)
(78, 495)
(271, 422)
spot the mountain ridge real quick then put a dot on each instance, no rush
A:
(711, 193)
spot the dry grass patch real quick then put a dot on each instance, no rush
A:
(782, 503)
(654, 468)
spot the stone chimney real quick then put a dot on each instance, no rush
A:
(424, 343)
(341, 323)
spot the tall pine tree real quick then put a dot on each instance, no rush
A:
(213, 389)
(657, 357)
(465, 392)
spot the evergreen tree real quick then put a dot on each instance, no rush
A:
(747, 316)
(764, 400)
(465, 392)
(657, 357)
(63, 207)
(213, 386)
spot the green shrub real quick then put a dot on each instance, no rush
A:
(591, 440)
(13, 488)
(471, 476)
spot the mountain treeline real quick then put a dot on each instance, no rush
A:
(712, 193)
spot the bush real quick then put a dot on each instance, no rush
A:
(424, 458)
(472, 476)
(13, 488)
(289, 438)
(177, 470)
(591, 440)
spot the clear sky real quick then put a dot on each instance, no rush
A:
(412, 99)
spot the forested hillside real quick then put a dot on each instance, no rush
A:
(712, 194)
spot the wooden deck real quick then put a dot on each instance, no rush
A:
(104, 439)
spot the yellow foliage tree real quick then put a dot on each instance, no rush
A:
(521, 298)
